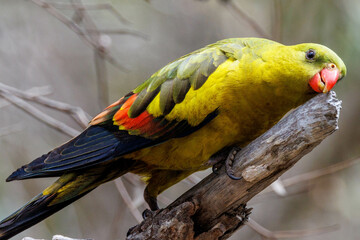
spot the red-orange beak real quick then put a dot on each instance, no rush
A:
(325, 80)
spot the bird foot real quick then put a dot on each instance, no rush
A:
(147, 213)
(229, 161)
(152, 202)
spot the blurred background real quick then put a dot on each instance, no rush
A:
(137, 38)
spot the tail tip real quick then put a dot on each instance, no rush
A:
(16, 175)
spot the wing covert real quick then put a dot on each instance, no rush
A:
(173, 81)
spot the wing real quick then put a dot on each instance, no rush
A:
(191, 71)
(127, 126)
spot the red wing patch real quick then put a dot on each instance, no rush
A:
(144, 124)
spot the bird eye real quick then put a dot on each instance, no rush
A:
(310, 54)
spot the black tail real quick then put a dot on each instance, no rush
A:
(33, 212)
(67, 189)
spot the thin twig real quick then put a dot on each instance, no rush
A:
(309, 176)
(279, 188)
(139, 201)
(56, 237)
(127, 199)
(102, 84)
(313, 175)
(131, 204)
(75, 28)
(267, 234)
(134, 180)
(99, 6)
(77, 113)
(33, 92)
(118, 31)
(192, 180)
(100, 52)
(36, 113)
(65, 20)
(78, 16)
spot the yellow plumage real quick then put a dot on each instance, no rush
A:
(252, 93)
(223, 95)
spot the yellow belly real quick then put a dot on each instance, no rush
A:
(190, 152)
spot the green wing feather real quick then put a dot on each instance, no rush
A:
(174, 80)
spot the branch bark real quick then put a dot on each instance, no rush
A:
(215, 208)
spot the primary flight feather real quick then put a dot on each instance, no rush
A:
(196, 107)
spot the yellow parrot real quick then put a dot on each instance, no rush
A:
(180, 121)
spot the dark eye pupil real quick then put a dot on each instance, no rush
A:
(310, 54)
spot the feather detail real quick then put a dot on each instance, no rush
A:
(141, 102)
(180, 88)
(175, 79)
(125, 122)
(166, 97)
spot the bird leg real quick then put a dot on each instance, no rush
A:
(225, 156)
(152, 202)
(160, 180)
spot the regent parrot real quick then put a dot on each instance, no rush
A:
(225, 94)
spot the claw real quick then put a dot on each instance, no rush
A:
(147, 213)
(243, 213)
(229, 163)
(219, 162)
(216, 167)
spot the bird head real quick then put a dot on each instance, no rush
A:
(303, 69)
(322, 67)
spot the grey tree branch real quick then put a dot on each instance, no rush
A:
(96, 7)
(51, 8)
(33, 92)
(36, 113)
(309, 178)
(211, 211)
(77, 113)
(127, 199)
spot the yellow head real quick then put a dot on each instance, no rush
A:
(308, 66)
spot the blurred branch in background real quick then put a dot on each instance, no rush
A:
(33, 111)
(306, 180)
(35, 91)
(272, 235)
(83, 25)
(56, 237)
(279, 188)
(77, 113)
(131, 203)
(78, 6)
